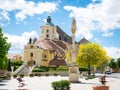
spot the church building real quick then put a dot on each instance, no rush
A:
(50, 48)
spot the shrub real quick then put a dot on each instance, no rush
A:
(35, 74)
(47, 74)
(38, 69)
(83, 69)
(46, 69)
(90, 77)
(38, 74)
(62, 69)
(52, 68)
(16, 62)
(31, 75)
(21, 75)
(8, 75)
(61, 85)
(55, 74)
(55, 85)
(15, 75)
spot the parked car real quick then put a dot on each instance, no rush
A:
(108, 72)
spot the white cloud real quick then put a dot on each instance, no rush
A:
(103, 17)
(18, 42)
(27, 8)
(108, 34)
(113, 52)
(4, 18)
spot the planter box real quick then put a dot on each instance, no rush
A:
(101, 88)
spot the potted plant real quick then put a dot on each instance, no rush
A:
(31, 75)
(65, 84)
(47, 74)
(55, 85)
(15, 76)
(38, 74)
(55, 74)
(21, 75)
(101, 88)
(103, 80)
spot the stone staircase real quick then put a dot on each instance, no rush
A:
(24, 69)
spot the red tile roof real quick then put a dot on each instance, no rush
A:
(56, 45)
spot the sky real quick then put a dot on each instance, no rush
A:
(97, 20)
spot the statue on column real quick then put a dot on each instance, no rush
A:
(73, 69)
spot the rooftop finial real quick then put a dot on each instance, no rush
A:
(49, 20)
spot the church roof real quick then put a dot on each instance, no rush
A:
(47, 44)
(64, 35)
(83, 41)
(57, 61)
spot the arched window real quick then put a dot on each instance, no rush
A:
(47, 30)
(59, 37)
(44, 56)
(31, 54)
(47, 36)
(65, 39)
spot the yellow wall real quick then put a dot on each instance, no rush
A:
(30, 48)
(52, 32)
(45, 60)
(35, 55)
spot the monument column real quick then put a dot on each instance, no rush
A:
(73, 69)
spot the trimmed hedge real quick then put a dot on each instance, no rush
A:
(62, 69)
(47, 69)
(83, 69)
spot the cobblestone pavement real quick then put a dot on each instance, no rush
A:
(44, 83)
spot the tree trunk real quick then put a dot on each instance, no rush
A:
(89, 73)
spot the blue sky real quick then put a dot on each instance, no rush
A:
(97, 20)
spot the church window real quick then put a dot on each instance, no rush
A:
(59, 37)
(31, 54)
(65, 39)
(47, 36)
(44, 56)
(47, 30)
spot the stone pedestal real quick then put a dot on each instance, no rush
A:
(74, 74)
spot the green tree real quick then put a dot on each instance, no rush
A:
(4, 47)
(112, 63)
(118, 62)
(91, 54)
(16, 63)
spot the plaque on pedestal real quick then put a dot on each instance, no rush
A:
(74, 74)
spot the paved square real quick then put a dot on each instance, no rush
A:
(44, 83)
